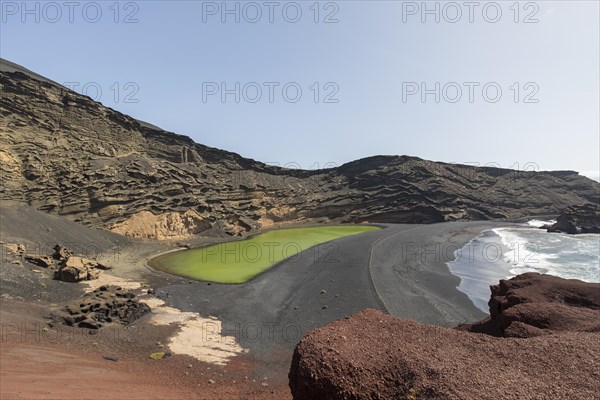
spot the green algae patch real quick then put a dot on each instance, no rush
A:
(240, 261)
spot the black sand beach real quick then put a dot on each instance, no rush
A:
(269, 314)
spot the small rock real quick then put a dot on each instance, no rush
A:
(211, 381)
(41, 261)
(157, 356)
(93, 331)
(190, 366)
(324, 307)
(111, 357)
(323, 291)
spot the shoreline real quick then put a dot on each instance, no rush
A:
(235, 240)
(413, 278)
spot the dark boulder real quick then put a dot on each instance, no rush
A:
(578, 219)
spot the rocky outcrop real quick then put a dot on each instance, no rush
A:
(169, 225)
(61, 253)
(41, 261)
(578, 219)
(105, 305)
(532, 305)
(372, 355)
(68, 268)
(63, 153)
(76, 269)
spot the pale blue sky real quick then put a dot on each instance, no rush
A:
(369, 55)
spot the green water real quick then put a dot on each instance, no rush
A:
(238, 262)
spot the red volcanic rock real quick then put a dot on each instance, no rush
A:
(554, 352)
(532, 304)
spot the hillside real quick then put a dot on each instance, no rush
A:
(63, 153)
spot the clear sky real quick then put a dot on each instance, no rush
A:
(368, 72)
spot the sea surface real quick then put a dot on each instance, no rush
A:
(507, 252)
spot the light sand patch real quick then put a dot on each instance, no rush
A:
(198, 337)
(107, 279)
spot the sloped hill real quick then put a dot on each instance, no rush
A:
(63, 153)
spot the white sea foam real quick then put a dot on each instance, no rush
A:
(537, 223)
(523, 249)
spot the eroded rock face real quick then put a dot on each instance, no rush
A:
(578, 219)
(169, 225)
(553, 352)
(111, 168)
(532, 305)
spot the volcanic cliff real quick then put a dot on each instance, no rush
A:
(64, 153)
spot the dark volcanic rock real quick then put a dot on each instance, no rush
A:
(553, 354)
(532, 304)
(578, 219)
(107, 304)
(66, 154)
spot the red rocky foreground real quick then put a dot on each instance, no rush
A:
(372, 355)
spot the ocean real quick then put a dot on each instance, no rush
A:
(503, 253)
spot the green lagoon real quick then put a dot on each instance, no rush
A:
(240, 261)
